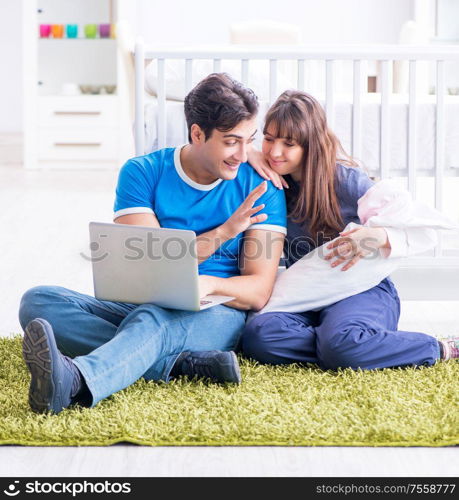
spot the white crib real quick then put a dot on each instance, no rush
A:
(434, 157)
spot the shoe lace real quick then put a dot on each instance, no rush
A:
(201, 369)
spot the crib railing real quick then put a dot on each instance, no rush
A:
(358, 55)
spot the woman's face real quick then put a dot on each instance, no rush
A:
(283, 156)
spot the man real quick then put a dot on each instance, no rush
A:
(205, 186)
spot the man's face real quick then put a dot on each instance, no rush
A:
(223, 152)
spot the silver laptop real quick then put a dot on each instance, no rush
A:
(139, 265)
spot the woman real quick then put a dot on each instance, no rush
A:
(325, 185)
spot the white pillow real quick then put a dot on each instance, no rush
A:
(311, 283)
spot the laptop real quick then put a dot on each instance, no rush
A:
(138, 265)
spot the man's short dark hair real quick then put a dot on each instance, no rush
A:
(219, 102)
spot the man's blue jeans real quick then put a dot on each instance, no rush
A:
(114, 343)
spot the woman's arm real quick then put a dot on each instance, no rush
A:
(392, 243)
(355, 244)
(392, 224)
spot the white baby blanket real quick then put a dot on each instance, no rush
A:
(311, 283)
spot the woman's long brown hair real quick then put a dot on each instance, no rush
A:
(298, 116)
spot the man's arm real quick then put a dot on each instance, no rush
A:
(208, 243)
(260, 260)
(147, 220)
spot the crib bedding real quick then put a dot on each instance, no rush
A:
(370, 129)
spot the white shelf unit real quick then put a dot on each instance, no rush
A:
(82, 131)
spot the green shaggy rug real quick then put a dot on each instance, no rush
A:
(284, 405)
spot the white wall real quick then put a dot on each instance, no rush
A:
(207, 21)
(11, 64)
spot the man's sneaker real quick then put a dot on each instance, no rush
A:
(449, 348)
(218, 366)
(55, 378)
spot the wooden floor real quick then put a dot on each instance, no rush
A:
(44, 218)
(137, 461)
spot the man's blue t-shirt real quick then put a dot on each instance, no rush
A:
(156, 183)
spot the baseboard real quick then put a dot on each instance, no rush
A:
(11, 148)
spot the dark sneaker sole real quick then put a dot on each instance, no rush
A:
(233, 375)
(37, 355)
